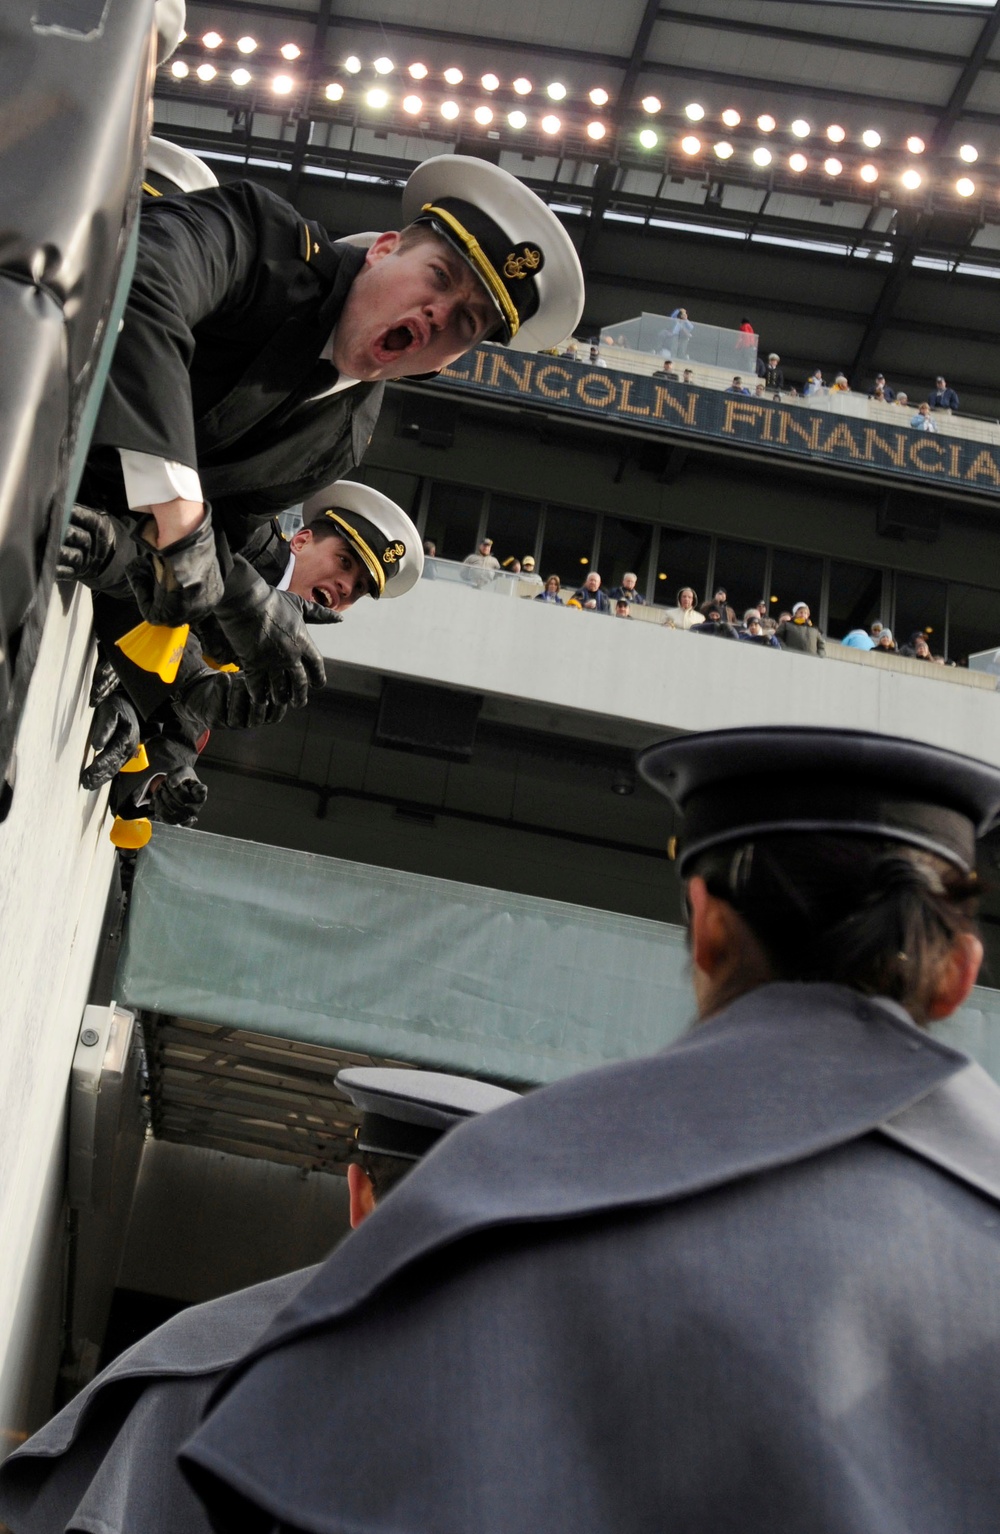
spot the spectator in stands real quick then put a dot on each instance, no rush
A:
(753, 631)
(902, 399)
(923, 420)
(840, 385)
(596, 360)
(746, 336)
(759, 391)
(881, 390)
(876, 630)
(719, 601)
(715, 624)
(736, 387)
(685, 615)
(622, 609)
(627, 591)
(529, 575)
(943, 398)
(688, 377)
(858, 639)
(771, 371)
(799, 634)
(571, 353)
(666, 370)
(512, 565)
(430, 548)
(591, 597)
(885, 644)
(814, 384)
(917, 647)
(551, 592)
(681, 332)
(482, 565)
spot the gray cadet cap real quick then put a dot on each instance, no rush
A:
(404, 1113)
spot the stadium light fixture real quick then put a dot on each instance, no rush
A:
(417, 71)
(551, 123)
(723, 150)
(522, 86)
(691, 145)
(832, 166)
(412, 105)
(596, 130)
(761, 156)
(383, 66)
(353, 64)
(766, 123)
(483, 116)
(694, 111)
(731, 117)
(377, 98)
(871, 138)
(490, 82)
(212, 40)
(453, 75)
(648, 139)
(798, 163)
(241, 77)
(651, 104)
(869, 173)
(965, 187)
(282, 85)
(246, 44)
(290, 51)
(450, 110)
(800, 128)
(836, 134)
(915, 144)
(599, 96)
(179, 69)
(969, 153)
(556, 91)
(205, 72)
(911, 179)
(335, 91)
(517, 120)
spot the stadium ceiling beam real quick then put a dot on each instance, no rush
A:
(607, 170)
(314, 70)
(812, 39)
(902, 266)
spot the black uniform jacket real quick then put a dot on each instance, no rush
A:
(234, 297)
(106, 1464)
(748, 1286)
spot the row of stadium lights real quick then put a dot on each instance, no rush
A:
(378, 99)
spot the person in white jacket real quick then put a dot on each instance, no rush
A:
(685, 615)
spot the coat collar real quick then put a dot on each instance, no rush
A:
(786, 1072)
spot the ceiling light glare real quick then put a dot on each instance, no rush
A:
(517, 120)
(800, 128)
(731, 117)
(766, 123)
(205, 71)
(377, 98)
(490, 82)
(246, 44)
(551, 124)
(212, 40)
(651, 104)
(178, 69)
(599, 96)
(596, 130)
(522, 87)
(871, 139)
(453, 76)
(417, 71)
(483, 116)
(691, 145)
(449, 109)
(353, 65)
(761, 156)
(282, 85)
(915, 144)
(832, 167)
(969, 153)
(648, 139)
(241, 77)
(964, 187)
(869, 173)
(836, 134)
(694, 112)
(290, 51)
(723, 150)
(911, 180)
(798, 163)
(383, 66)
(412, 105)
(556, 91)
(335, 91)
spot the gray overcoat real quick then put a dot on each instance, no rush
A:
(748, 1286)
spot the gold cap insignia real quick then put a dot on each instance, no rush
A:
(393, 552)
(522, 262)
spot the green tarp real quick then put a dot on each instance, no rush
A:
(445, 975)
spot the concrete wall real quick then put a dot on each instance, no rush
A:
(55, 869)
(660, 679)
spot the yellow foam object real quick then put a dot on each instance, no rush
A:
(129, 834)
(217, 665)
(139, 762)
(153, 647)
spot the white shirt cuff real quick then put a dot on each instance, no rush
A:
(149, 481)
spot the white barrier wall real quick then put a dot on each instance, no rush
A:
(597, 665)
(55, 869)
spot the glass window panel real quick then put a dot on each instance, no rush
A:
(795, 578)
(401, 488)
(568, 545)
(973, 622)
(740, 570)
(513, 526)
(682, 561)
(453, 520)
(920, 604)
(625, 546)
(855, 598)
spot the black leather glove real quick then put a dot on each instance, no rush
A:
(179, 797)
(180, 583)
(90, 544)
(221, 700)
(105, 682)
(114, 736)
(169, 789)
(267, 630)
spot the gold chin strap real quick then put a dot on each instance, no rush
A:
(367, 556)
(481, 263)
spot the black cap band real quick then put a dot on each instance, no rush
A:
(381, 1136)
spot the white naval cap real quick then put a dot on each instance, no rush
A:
(379, 532)
(186, 171)
(404, 1112)
(169, 17)
(516, 246)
